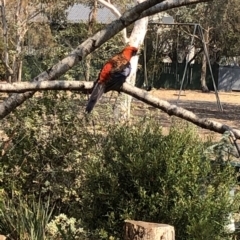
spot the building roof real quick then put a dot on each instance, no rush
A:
(80, 12)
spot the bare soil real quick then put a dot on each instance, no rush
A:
(202, 104)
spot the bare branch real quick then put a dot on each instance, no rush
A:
(111, 7)
(7, 67)
(33, 15)
(171, 109)
(139, 94)
(168, 4)
(189, 33)
(115, 11)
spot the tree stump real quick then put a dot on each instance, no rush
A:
(138, 230)
(2, 237)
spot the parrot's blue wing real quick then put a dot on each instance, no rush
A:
(118, 78)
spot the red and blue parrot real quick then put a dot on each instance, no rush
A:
(112, 75)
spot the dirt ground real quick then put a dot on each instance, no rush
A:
(204, 105)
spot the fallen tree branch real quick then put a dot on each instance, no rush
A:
(93, 43)
(138, 93)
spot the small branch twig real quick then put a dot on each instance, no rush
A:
(115, 11)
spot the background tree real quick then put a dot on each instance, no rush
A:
(19, 17)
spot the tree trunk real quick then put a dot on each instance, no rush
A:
(204, 64)
(5, 57)
(92, 21)
(123, 107)
(138, 230)
(20, 21)
(20, 71)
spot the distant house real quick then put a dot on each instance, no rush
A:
(80, 13)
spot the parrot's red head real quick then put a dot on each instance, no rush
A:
(129, 51)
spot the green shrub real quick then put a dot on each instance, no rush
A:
(47, 141)
(101, 174)
(142, 174)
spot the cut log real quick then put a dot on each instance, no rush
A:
(138, 230)
(2, 237)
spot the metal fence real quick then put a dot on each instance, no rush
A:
(169, 76)
(229, 78)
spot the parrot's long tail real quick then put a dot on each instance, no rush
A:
(97, 92)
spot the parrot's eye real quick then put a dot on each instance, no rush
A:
(134, 53)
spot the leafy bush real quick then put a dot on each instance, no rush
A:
(142, 174)
(42, 156)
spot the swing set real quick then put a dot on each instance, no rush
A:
(197, 31)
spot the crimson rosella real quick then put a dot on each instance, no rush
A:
(112, 75)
